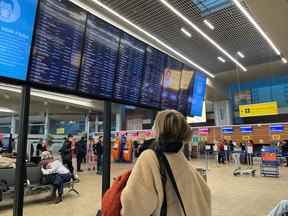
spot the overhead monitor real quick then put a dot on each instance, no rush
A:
(279, 128)
(227, 130)
(128, 79)
(154, 69)
(171, 84)
(58, 44)
(186, 84)
(17, 19)
(198, 119)
(199, 92)
(99, 58)
(246, 129)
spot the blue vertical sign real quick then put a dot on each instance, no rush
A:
(16, 30)
(199, 91)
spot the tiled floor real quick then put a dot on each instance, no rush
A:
(232, 196)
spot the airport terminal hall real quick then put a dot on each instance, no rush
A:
(143, 107)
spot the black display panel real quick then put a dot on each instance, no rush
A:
(186, 84)
(154, 69)
(99, 58)
(128, 79)
(171, 84)
(58, 44)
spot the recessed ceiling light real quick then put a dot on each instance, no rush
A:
(221, 59)
(188, 34)
(240, 54)
(207, 23)
(196, 28)
(258, 27)
(180, 55)
(284, 60)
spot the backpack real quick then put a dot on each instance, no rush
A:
(111, 203)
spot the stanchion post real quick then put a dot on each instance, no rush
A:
(21, 152)
(107, 147)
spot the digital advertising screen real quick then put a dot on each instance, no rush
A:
(17, 19)
(227, 130)
(199, 92)
(99, 58)
(58, 44)
(154, 69)
(171, 84)
(186, 84)
(131, 62)
(277, 128)
(246, 129)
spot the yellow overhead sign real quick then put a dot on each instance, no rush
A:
(260, 109)
(60, 130)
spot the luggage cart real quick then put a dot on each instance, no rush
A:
(270, 163)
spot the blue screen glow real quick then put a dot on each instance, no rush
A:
(246, 129)
(277, 128)
(16, 30)
(227, 130)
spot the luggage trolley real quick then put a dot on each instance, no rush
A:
(269, 162)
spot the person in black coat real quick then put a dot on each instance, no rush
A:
(81, 152)
(284, 149)
(66, 154)
(98, 149)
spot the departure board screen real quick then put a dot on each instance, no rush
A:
(186, 84)
(58, 44)
(171, 84)
(154, 69)
(16, 30)
(99, 58)
(128, 79)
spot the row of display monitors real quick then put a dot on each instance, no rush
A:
(249, 129)
(77, 51)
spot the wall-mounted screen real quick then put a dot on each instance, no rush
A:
(58, 44)
(199, 92)
(186, 84)
(246, 129)
(227, 130)
(131, 61)
(154, 69)
(277, 128)
(99, 58)
(171, 84)
(16, 30)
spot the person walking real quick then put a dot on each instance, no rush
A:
(144, 192)
(91, 156)
(66, 155)
(81, 152)
(99, 153)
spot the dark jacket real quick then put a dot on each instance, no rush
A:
(81, 147)
(65, 151)
(98, 149)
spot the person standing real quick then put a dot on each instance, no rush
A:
(81, 152)
(221, 153)
(284, 149)
(99, 153)
(91, 156)
(250, 153)
(74, 156)
(236, 154)
(66, 155)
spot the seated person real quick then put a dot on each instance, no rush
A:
(57, 174)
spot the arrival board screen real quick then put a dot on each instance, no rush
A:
(16, 29)
(154, 69)
(185, 86)
(171, 84)
(58, 43)
(130, 69)
(99, 58)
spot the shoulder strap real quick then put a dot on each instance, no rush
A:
(165, 167)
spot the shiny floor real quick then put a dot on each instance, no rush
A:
(232, 196)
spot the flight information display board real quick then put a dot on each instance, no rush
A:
(128, 79)
(16, 30)
(186, 84)
(171, 84)
(154, 69)
(58, 44)
(99, 58)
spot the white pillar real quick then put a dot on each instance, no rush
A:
(118, 121)
(223, 113)
(46, 125)
(13, 125)
(96, 123)
(87, 125)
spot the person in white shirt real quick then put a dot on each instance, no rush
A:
(58, 174)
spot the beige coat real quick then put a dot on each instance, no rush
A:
(143, 194)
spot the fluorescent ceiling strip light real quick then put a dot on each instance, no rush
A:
(240, 54)
(153, 37)
(196, 28)
(221, 59)
(6, 110)
(255, 24)
(209, 24)
(188, 34)
(284, 60)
